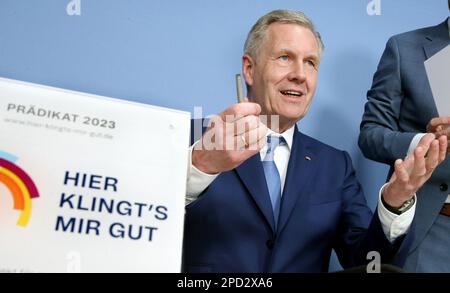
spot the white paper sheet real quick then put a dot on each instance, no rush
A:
(438, 72)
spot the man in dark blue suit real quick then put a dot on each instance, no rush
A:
(266, 198)
(399, 111)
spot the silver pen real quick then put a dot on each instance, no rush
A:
(240, 95)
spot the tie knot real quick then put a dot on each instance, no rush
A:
(272, 142)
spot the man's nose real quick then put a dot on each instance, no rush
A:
(297, 73)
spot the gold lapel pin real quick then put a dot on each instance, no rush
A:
(308, 158)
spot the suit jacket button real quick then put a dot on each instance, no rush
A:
(443, 187)
(270, 243)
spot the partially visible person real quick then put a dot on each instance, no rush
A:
(400, 110)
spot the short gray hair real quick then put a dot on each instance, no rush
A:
(258, 32)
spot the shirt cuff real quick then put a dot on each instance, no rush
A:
(197, 181)
(414, 142)
(394, 225)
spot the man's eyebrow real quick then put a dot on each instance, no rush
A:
(283, 50)
(314, 56)
(309, 55)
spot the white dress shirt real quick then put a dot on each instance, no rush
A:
(393, 225)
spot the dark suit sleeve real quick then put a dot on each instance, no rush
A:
(380, 138)
(361, 232)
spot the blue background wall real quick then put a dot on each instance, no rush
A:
(181, 54)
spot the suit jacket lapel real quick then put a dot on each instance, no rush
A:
(299, 173)
(436, 40)
(251, 173)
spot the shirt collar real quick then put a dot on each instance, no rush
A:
(288, 135)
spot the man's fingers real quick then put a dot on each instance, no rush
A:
(410, 174)
(432, 159)
(436, 122)
(259, 144)
(443, 131)
(237, 111)
(400, 172)
(419, 162)
(252, 137)
(426, 141)
(443, 145)
(249, 138)
(243, 125)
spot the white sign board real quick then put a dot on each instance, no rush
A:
(88, 183)
(438, 72)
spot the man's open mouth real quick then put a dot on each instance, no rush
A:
(292, 93)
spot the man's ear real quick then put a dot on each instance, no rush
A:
(247, 69)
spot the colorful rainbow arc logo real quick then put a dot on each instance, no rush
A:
(19, 184)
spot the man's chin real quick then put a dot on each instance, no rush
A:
(284, 122)
(292, 116)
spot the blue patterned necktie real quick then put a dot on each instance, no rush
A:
(272, 175)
